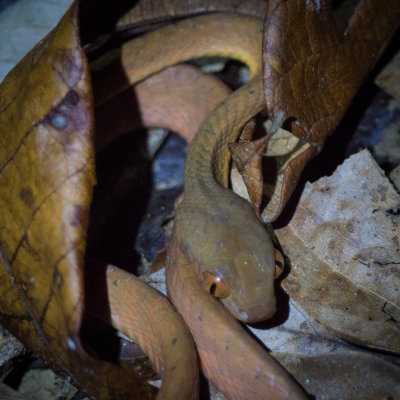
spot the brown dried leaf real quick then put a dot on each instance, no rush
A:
(343, 243)
(289, 155)
(22, 25)
(60, 124)
(389, 78)
(285, 154)
(247, 156)
(312, 73)
(344, 375)
(46, 180)
(7, 393)
(159, 262)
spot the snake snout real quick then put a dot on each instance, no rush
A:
(253, 313)
(257, 313)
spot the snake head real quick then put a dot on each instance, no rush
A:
(235, 259)
(244, 281)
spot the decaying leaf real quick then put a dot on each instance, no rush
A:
(7, 393)
(312, 72)
(283, 149)
(159, 262)
(389, 78)
(59, 125)
(395, 177)
(387, 150)
(344, 375)
(247, 156)
(343, 243)
(46, 180)
(248, 161)
(42, 383)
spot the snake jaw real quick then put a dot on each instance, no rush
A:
(253, 313)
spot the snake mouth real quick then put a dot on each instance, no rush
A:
(252, 313)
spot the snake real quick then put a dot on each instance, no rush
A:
(217, 232)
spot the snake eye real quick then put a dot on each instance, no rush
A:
(279, 263)
(215, 285)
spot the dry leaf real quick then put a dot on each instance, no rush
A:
(284, 152)
(53, 195)
(345, 375)
(395, 177)
(7, 393)
(343, 243)
(389, 78)
(247, 156)
(46, 179)
(312, 72)
(59, 125)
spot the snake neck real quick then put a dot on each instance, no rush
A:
(218, 231)
(207, 162)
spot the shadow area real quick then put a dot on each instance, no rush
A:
(120, 198)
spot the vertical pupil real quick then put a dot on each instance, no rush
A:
(213, 288)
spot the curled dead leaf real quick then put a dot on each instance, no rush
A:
(389, 78)
(247, 156)
(312, 72)
(273, 174)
